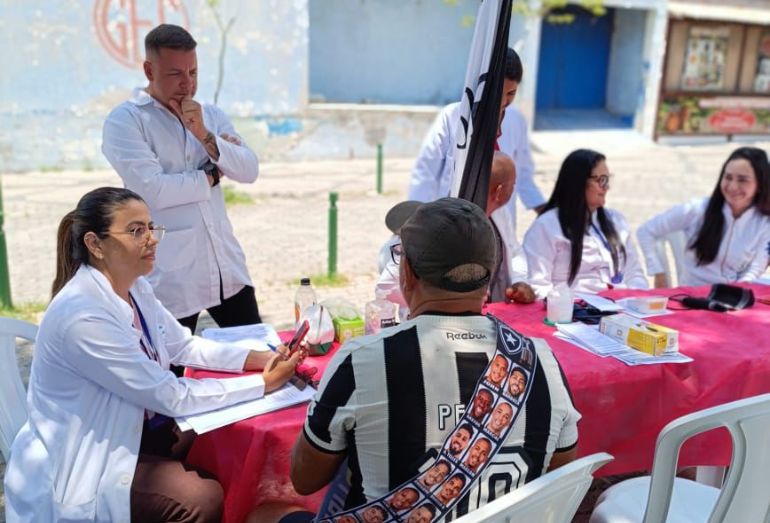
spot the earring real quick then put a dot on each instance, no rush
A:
(99, 255)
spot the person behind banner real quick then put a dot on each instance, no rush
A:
(172, 150)
(576, 240)
(433, 170)
(726, 236)
(388, 401)
(100, 443)
(508, 280)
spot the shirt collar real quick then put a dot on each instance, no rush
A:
(121, 308)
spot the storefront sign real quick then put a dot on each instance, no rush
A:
(728, 115)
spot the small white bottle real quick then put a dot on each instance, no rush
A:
(560, 303)
(304, 298)
(379, 314)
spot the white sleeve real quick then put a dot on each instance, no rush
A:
(425, 183)
(237, 162)
(633, 275)
(389, 284)
(526, 189)
(540, 250)
(761, 258)
(656, 228)
(124, 146)
(99, 349)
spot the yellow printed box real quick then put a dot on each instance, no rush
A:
(639, 334)
(347, 328)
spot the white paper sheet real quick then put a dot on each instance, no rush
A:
(255, 337)
(623, 302)
(603, 304)
(286, 396)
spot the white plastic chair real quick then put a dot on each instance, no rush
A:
(552, 498)
(677, 243)
(743, 497)
(13, 398)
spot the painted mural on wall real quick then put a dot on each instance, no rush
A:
(688, 115)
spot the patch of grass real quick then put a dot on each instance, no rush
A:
(29, 311)
(324, 280)
(233, 197)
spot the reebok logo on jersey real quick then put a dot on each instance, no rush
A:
(465, 336)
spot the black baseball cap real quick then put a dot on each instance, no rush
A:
(445, 234)
(399, 214)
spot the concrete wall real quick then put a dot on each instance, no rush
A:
(626, 68)
(389, 51)
(67, 63)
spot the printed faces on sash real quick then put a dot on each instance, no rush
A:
(460, 439)
(516, 383)
(346, 518)
(478, 453)
(422, 514)
(405, 498)
(451, 488)
(482, 404)
(501, 417)
(435, 475)
(373, 514)
(498, 370)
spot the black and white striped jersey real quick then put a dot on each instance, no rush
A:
(386, 400)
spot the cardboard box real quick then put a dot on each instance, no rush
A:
(347, 328)
(639, 334)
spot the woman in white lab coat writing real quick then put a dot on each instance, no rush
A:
(576, 240)
(727, 236)
(100, 443)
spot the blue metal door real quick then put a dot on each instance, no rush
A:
(574, 59)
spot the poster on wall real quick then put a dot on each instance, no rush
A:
(704, 64)
(689, 115)
(762, 78)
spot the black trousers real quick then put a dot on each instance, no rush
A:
(239, 309)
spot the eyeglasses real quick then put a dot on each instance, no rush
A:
(395, 253)
(602, 181)
(142, 233)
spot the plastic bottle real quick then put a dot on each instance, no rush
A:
(304, 298)
(560, 304)
(379, 314)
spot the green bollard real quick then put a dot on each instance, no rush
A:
(332, 234)
(5, 280)
(379, 168)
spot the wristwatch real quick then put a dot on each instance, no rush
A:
(211, 169)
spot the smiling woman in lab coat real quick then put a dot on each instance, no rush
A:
(727, 235)
(99, 444)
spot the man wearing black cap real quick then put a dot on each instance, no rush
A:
(388, 399)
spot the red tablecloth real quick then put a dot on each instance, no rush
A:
(623, 407)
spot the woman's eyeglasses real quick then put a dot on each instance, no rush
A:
(602, 181)
(142, 233)
(395, 253)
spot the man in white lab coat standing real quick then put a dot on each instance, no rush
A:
(173, 150)
(432, 173)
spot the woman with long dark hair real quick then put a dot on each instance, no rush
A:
(576, 240)
(727, 235)
(100, 443)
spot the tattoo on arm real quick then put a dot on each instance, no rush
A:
(210, 144)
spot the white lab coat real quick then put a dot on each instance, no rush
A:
(159, 159)
(388, 285)
(90, 384)
(548, 257)
(743, 252)
(433, 171)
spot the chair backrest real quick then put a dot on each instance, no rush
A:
(677, 242)
(13, 398)
(552, 498)
(744, 493)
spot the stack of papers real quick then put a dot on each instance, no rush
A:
(286, 396)
(589, 338)
(255, 337)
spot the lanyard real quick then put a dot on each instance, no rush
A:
(499, 397)
(618, 276)
(146, 339)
